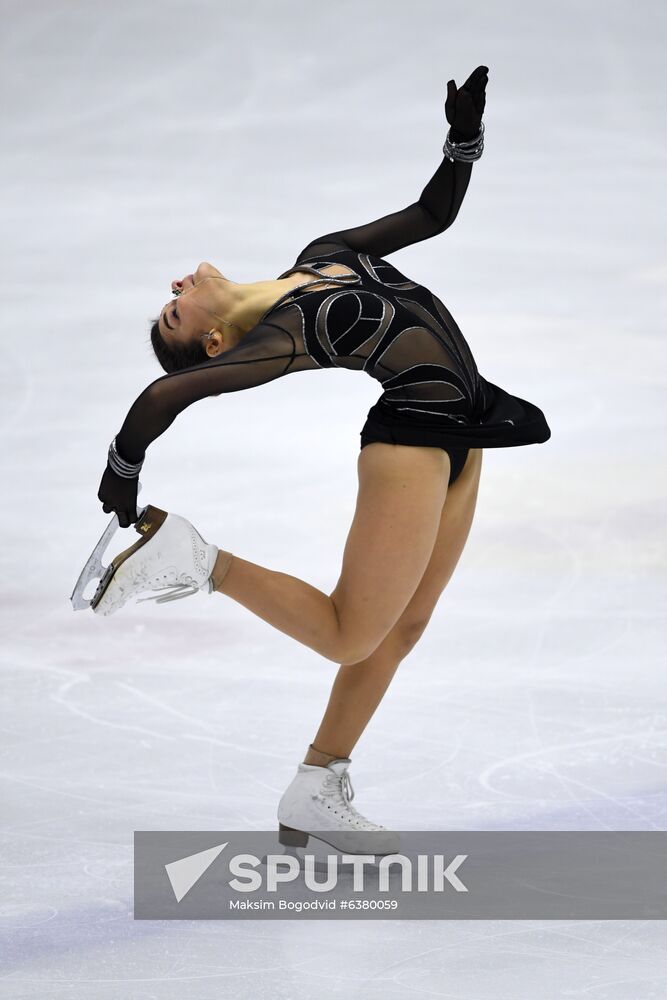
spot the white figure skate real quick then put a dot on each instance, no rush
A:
(317, 803)
(170, 557)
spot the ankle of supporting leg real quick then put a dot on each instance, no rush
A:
(319, 757)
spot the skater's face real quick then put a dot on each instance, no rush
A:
(193, 312)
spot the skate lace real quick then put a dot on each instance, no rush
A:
(339, 789)
(172, 594)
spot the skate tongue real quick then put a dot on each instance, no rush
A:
(339, 768)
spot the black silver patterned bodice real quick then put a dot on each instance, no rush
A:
(394, 329)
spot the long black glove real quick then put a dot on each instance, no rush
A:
(119, 495)
(464, 107)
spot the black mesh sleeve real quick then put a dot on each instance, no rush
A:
(435, 211)
(266, 352)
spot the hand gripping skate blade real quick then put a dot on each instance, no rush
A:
(93, 568)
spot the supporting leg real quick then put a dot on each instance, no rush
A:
(359, 688)
(357, 691)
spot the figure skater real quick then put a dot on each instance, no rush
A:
(340, 305)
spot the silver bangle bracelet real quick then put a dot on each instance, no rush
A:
(127, 470)
(466, 151)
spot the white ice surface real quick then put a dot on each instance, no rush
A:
(139, 138)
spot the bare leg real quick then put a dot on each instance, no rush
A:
(394, 529)
(289, 604)
(359, 688)
(357, 691)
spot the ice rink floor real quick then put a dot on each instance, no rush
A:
(140, 138)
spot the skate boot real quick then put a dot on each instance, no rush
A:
(318, 803)
(171, 556)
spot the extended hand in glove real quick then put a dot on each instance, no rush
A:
(464, 107)
(119, 495)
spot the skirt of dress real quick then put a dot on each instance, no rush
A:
(499, 420)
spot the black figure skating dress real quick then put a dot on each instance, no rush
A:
(376, 320)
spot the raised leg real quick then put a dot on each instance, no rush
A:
(395, 525)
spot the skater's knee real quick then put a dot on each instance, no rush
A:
(400, 640)
(407, 632)
(347, 645)
(347, 655)
(349, 649)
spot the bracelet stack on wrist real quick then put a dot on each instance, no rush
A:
(467, 151)
(128, 470)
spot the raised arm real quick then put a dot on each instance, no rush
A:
(265, 353)
(436, 209)
(440, 201)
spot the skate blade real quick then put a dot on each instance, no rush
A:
(150, 521)
(93, 568)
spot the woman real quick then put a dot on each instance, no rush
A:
(340, 305)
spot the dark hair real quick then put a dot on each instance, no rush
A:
(174, 359)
